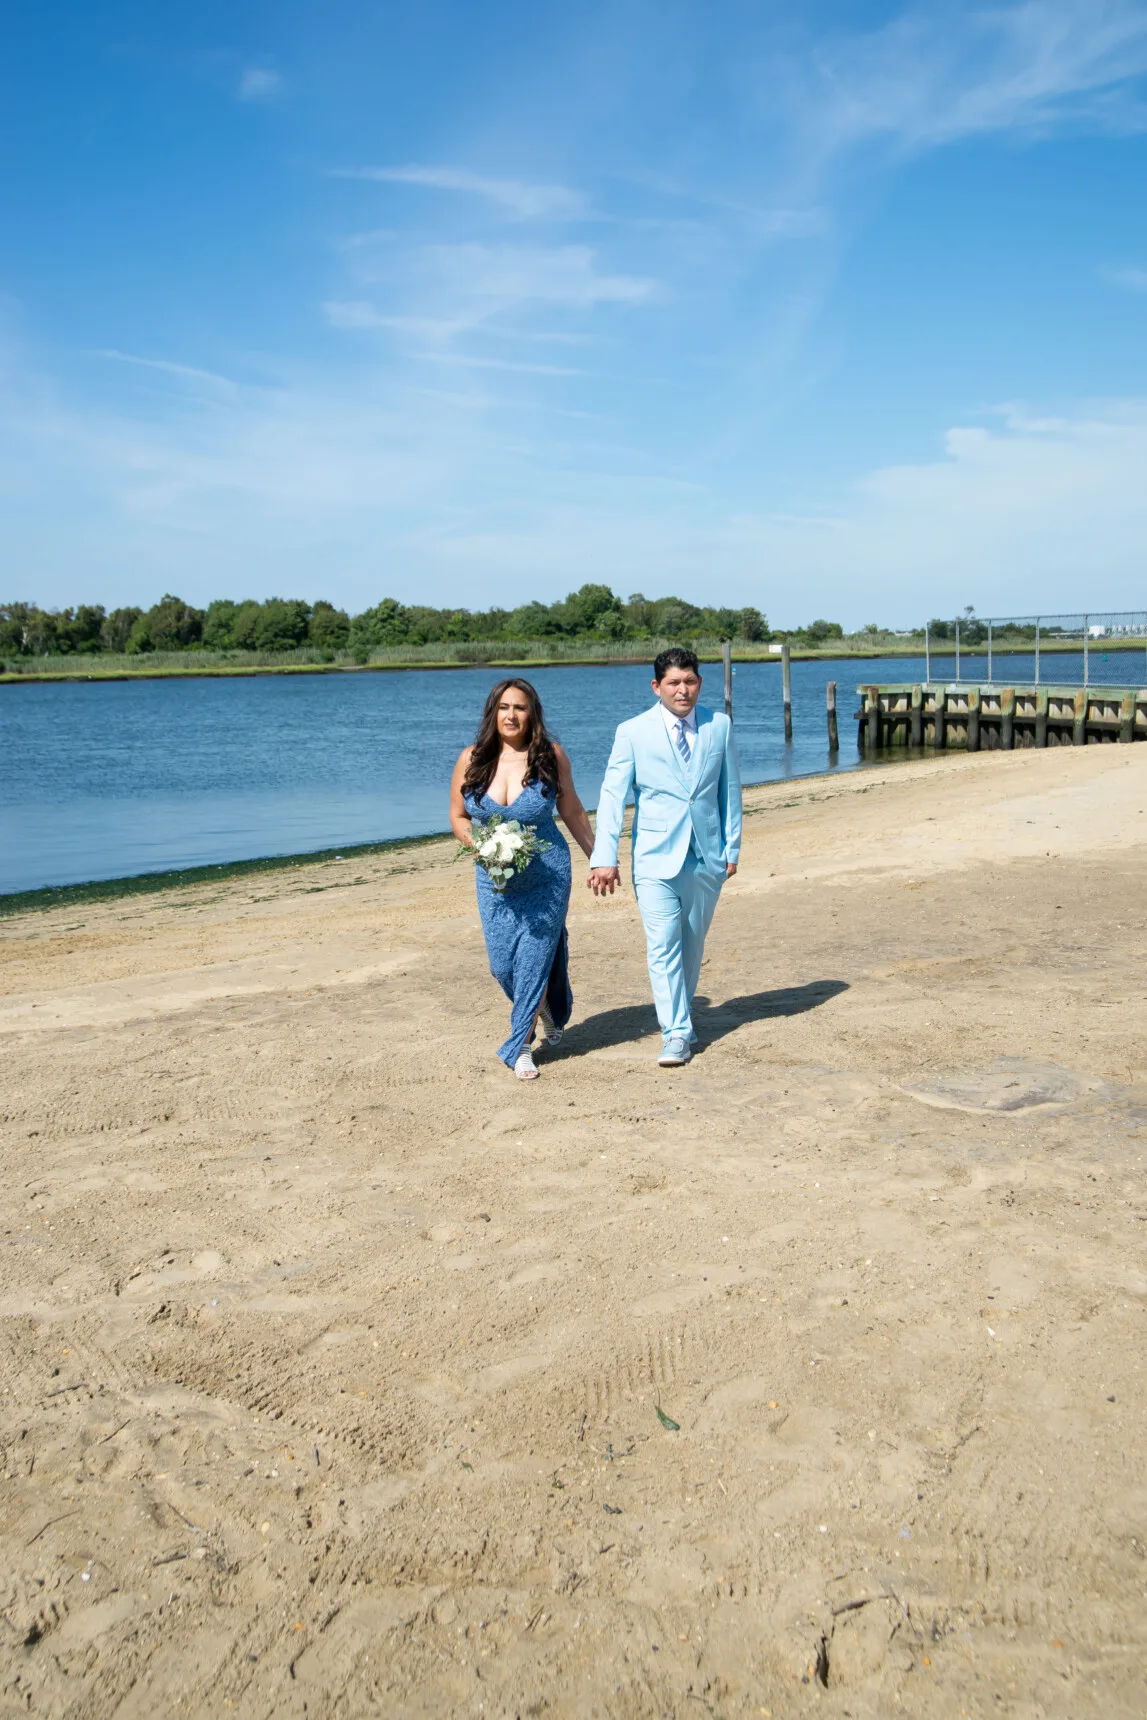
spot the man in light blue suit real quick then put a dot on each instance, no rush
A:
(680, 762)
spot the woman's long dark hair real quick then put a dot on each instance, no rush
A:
(541, 759)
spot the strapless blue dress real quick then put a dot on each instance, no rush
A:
(525, 924)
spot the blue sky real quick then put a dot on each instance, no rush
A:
(838, 309)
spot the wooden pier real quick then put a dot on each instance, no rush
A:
(985, 717)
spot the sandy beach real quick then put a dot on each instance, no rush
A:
(343, 1375)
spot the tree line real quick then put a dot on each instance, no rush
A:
(281, 624)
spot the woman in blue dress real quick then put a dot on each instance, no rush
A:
(515, 769)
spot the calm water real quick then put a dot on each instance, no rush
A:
(102, 780)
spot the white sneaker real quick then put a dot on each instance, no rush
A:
(675, 1051)
(525, 1068)
(553, 1034)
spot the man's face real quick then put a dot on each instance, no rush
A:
(678, 690)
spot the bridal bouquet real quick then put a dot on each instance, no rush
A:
(502, 847)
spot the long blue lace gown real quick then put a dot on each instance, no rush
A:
(525, 925)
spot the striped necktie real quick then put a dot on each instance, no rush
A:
(682, 743)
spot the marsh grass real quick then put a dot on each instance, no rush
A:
(494, 653)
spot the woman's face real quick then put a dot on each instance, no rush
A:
(514, 716)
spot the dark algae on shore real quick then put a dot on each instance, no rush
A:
(148, 883)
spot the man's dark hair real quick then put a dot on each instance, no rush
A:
(677, 657)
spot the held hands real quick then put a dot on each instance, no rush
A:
(604, 880)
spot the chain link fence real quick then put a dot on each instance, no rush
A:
(1095, 649)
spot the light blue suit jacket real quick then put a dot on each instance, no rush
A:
(675, 802)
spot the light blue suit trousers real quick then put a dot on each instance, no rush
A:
(686, 827)
(677, 913)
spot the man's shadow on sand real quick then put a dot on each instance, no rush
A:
(712, 1021)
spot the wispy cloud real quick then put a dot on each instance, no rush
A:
(467, 289)
(542, 336)
(1134, 279)
(358, 314)
(937, 73)
(757, 220)
(520, 198)
(506, 275)
(259, 84)
(440, 331)
(189, 372)
(471, 362)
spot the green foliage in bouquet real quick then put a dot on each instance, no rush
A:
(502, 847)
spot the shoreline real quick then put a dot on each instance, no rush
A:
(186, 877)
(213, 872)
(244, 670)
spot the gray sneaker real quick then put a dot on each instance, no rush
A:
(675, 1051)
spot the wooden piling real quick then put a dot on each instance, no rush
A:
(830, 710)
(916, 718)
(1127, 718)
(1008, 718)
(787, 690)
(973, 719)
(1079, 719)
(727, 660)
(1041, 702)
(872, 713)
(939, 724)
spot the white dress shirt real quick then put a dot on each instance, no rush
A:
(671, 723)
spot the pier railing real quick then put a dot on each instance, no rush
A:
(1100, 647)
